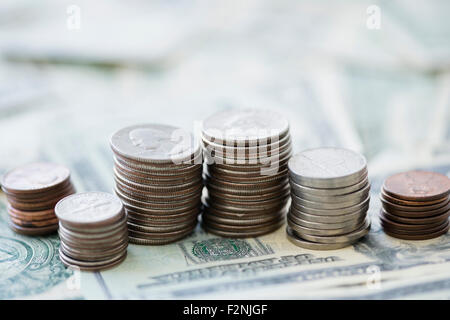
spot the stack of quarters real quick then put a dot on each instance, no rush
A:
(415, 205)
(32, 191)
(93, 231)
(247, 186)
(158, 177)
(330, 198)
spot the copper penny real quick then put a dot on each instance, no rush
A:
(417, 185)
(34, 231)
(416, 220)
(389, 205)
(411, 203)
(417, 237)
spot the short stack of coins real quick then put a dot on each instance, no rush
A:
(93, 231)
(246, 173)
(330, 198)
(415, 205)
(32, 191)
(158, 177)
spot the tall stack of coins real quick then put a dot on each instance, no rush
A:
(330, 198)
(158, 176)
(32, 191)
(415, 205)
(246, 175)
(93, 231)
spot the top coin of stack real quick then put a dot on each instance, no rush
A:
(157, 170)
(415, 205)
(93, 231)
(32, 191)
(246, 175)
(330, 198)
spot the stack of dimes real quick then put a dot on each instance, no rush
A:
(93, 231)
(330, 198)
(32, 191)
(246, 176)
(415, 205)
(158, 175)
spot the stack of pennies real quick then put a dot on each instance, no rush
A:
(330, 198)
(158, 177)
(32, 191)
(93, 231)
(246, 179)
(415, 205)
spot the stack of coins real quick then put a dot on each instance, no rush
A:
(32, 191)
(330, 198)
(415, 205)
(93, 231)
(246, 173)
(158, 176)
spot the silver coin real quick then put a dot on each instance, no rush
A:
(159, 237)
(331, 212)
(169, 171)
(172, 204)
(326, 225)
(242, 127)
(229, 196)
(154, 143)
(88, 264)
(243, 234)
(327, 168)
(253, 163)
(93, 256)
(359, 194)
(297, 188)
(330, 219)
(247, 209)
(346, 238)
(70, 239)
(352, 201)
(247, 152)
(258, 220)
(313, 245)
(95, 230)
(160, 229)
(319, 229)
(89, 209)
(92, 236)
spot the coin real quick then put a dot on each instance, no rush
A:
(417, 185)
(89, 208)
(410, 202)
(94, 266)
(32, 191)
(418, 237)
(327, 168)
(299, 189)
(346, 238)
(357, 196)
(432, 219)
(154, 143)
(392, 206)
(332, 212)
(244, 127)
(313, 245)
(243, 234)
(33, 177)
(327, 225)
(329, 219)
(302, 230)
(33, 231)
(353, 201)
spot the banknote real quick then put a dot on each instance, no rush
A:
(269, 267)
